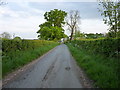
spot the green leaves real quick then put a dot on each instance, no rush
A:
(56, 17)
(107, 47)
(111, 12)
(52, 28)
(103, 70)
(16, 54)
(9, 46)
(51, 33)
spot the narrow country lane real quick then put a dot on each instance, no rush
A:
(56, 69)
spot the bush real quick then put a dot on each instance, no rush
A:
(102, 70)
(9, 46)
(106, 47)
(16, 53)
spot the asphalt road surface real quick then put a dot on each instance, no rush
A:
(56, 69)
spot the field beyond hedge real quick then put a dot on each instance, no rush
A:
(16, 53)
(100, 59)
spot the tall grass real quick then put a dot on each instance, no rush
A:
(17, 59)
(103, 70)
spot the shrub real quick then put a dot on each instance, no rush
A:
(106, 47)
(16, 53)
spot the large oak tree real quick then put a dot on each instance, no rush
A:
(52, 28)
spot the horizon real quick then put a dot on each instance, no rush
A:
(23, 18)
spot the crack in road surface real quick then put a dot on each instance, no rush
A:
(48, 72)
(55, 70)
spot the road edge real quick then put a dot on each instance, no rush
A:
(83, 78)
(14, 74)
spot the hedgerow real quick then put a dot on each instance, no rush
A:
(9, 46)
(100, 59)
(16, 53)
(106, 47)
(103, 71)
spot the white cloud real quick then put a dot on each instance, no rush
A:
(22, 26)
(25, 23)
(29, 9)
(90, 26)
(52, 0)
(27, 27)
(7, 11)
(55, 0)
(22, 23)
(93, 26)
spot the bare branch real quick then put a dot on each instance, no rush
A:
(73, 19)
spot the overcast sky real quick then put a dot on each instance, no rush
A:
(23, 18)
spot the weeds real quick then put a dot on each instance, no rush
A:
(103, 70)
(17, 59)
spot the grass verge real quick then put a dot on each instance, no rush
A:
(102, 70)
(20, 58)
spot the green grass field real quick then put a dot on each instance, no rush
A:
(102, 70)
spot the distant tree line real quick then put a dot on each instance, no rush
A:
(80, 35)
(6, 35)
(56, 19)
(52, 29)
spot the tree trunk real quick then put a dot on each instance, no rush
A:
(116, 23)
(71, 36)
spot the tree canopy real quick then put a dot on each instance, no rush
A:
(5, 35)
(52, 28)
(94, 36)
(111, 12)
(51, 33)
(17, 38)
(79, 34)
(55, 17)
